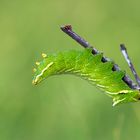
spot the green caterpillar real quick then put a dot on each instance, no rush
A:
(90, 67)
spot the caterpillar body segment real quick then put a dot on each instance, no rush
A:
(90, 67)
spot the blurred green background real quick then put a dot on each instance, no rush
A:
(64, 107)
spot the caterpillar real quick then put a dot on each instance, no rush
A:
(91, 65)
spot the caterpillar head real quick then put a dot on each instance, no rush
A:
(44, 69)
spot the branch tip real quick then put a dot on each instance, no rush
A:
(122, 46)
(66, 27)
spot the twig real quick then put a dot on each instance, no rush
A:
(130, 64)
(68, 30)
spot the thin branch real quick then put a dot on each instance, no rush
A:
(68, 30)
(130, 64)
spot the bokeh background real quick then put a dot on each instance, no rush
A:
(64, 107)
